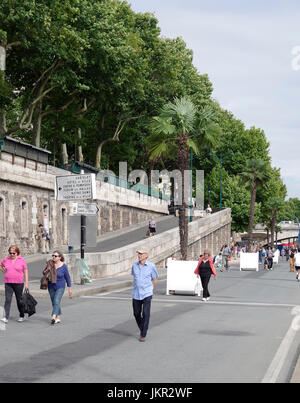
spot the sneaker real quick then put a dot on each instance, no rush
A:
(208, 298)
(57, 321)
(204, 299)
(21, 320)
(53, 321)
(4, 320)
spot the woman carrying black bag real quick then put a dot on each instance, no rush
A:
(15, 272)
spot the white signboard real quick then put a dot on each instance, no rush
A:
(85, 209)
(276, 256)
(181, 277)
(249, 261)
(76, 187)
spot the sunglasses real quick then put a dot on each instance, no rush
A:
(55, 255)
(12, 253)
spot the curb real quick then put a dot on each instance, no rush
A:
(84, 290)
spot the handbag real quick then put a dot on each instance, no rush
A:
(198, 287)
(44, 282)
(28, 302)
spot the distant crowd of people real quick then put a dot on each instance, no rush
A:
(209, 265)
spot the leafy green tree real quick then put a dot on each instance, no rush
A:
(255, 174)
(273, 195)
(43, 47)
(172, 129)
(179, 128)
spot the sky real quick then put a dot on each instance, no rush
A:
(251, 53)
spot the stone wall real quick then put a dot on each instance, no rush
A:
(211, 232)
(27, 199)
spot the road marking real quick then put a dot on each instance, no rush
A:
(189, 301)
(279, 359)
(107, 293)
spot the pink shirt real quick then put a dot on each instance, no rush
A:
(14, 270)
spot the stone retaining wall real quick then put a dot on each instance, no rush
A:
(211, 232)
(27, 199)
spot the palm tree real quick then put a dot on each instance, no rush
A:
(254, 175)
(177, 129)
(275, 205)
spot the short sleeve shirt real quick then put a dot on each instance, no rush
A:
(14, 270)
(142, 280)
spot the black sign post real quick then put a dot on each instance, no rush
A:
(83, 236)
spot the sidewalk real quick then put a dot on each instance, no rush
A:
(95, 287)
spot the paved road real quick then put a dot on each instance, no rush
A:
(243, 334)
(109, 242)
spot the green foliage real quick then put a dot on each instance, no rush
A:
(99, 66)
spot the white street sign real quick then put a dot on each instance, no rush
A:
(76, 187)
(84, 209)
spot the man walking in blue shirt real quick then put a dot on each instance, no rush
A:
(144, 280)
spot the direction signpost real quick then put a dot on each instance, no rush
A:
(85, 209)
(78, 187)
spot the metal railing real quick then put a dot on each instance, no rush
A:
(137, 187)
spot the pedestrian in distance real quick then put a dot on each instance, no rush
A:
(15, 271)
(287, 254)
(205, 269)
(208, 209)
(266, 264)
(218, 262)
(226, 252)
(44, 238)
(270, 255)
(297, 263)
(152, 227)
(59, 277)
(292, 259)
(144, 280)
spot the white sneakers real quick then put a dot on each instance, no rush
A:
(4, 320)
(206, 299)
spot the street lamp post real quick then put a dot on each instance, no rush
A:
(220, 159)
(191, 201)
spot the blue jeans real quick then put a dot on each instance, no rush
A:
(56, 296)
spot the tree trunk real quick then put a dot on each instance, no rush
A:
(64, 154)
(37, 124)
(273, 224)
(3, 128)
(183, 164)
(252, 210)
(79, 148)
(100, 145)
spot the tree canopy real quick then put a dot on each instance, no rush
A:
(86, 77)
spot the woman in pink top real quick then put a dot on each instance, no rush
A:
(14, 268)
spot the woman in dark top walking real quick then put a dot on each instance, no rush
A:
(205, 269)
(56, 286)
